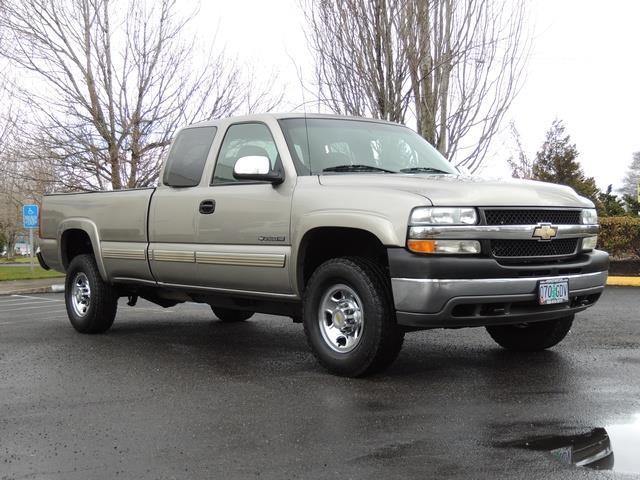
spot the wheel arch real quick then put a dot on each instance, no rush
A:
(321, 243)
(78, 236)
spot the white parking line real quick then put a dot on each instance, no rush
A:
(159, 309)
(39, 298)
(21, 303)
(27, 322)
(20, 309)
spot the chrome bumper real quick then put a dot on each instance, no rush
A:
(432, 302)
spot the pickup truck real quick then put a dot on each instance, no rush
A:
(357, 228)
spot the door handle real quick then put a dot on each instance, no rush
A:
(207, 207)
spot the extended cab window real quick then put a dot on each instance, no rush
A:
(243, 140)
(188, 156)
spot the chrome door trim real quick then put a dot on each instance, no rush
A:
(124, 253)
(274, 260)
(173, 256)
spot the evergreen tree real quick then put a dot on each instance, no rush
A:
(610, 205)
(631, 205)
(557, 162)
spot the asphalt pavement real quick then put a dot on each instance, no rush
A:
(177, 394)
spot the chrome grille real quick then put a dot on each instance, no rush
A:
(533, 248)
(531, 217)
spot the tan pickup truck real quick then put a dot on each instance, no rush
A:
(357, 228)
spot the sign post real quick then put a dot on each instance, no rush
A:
(30, 221)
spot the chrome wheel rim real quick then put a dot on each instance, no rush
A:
(80, 294)
(341, 318)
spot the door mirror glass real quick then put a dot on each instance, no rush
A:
(251, 165)
(256, 168)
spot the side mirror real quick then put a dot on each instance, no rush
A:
(256, 167)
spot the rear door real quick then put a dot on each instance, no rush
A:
(174, 212)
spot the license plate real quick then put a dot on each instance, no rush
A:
(553, 291)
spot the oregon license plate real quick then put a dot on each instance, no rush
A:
(553, 291)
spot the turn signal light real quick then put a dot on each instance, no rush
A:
(455, 247)
(422, 246)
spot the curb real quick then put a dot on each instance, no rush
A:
(624, 281)
(58, 288)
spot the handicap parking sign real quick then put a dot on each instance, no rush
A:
(30, 216)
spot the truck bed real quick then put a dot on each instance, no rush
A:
(118, 219)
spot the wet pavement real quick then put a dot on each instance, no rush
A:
(176, 394)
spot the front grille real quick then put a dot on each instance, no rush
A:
(533, 248)
(532, 217)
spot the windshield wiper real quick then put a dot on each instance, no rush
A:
(423, 170)
(356, 168)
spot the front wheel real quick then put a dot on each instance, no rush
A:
(531, 337)
(349, 317)
(91, 303)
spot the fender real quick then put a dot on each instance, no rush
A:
(376, 224)
(90, 228)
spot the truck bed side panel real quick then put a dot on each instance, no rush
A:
(116, 223)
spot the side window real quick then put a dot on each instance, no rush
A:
(188, 156)
(243, 140)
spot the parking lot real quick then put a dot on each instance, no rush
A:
(177, 394)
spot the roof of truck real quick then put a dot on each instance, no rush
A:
(261, 117)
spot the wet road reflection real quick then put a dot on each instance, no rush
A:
(615, 447)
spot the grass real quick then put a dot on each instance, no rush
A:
(24, 273)
(18, 260)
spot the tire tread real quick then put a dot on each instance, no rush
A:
(104, 297)
(389, 336)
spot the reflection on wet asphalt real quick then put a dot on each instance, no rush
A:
(616, 447)
(175, 394)
(590, 449)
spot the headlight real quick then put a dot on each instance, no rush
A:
(443, 216)
(589, 216)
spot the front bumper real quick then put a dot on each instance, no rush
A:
(465, 292)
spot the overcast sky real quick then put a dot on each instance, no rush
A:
(584, 69)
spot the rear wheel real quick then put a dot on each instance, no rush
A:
(91, 303)
(229, 315)
(349, 317)
(531, 337)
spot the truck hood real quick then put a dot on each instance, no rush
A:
(462, 190)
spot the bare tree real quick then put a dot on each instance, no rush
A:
(117, 79)
(452, 67)
(13, 189)
(359, 65)
(522, 165)
(631, 181)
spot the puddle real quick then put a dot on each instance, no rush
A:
(615, 447)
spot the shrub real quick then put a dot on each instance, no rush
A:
(620, 236)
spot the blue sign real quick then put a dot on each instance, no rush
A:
(30, 216)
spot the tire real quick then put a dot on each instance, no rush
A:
(91, 303)
(360, 336)
(531, 337)
(229, 315)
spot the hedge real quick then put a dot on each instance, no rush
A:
(620, 236)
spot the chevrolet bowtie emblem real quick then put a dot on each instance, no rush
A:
(545, 232)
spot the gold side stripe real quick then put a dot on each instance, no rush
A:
(124, 254)
(243, 260)
(173, 256)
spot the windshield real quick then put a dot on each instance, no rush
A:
(323, 146)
